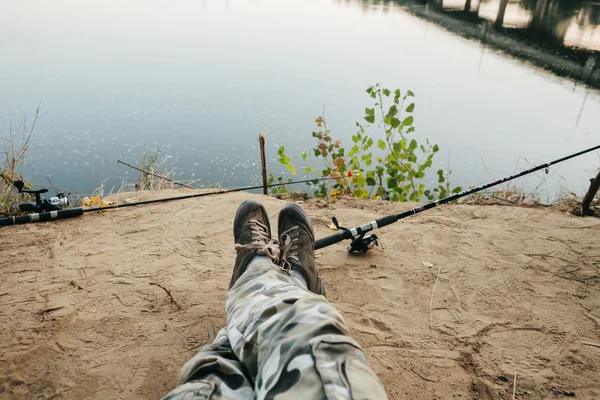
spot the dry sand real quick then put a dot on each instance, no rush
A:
(111, 305)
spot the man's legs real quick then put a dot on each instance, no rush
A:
(293, 342)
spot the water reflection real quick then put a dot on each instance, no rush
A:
(570, 23)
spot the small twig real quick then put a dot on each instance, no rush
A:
(431, 301)
(514, 386)
(591, 344)
(168, 294)
(156, 175)
(421, 376)
(44, 311)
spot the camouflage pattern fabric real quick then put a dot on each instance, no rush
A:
(281, 342)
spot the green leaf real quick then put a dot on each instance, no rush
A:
(368, 144)
(387, 120)
(457, 190)
(392, 183)
(413, 144)
(317, 152)
(386, 92)
(410, 94)
(370, 119)
(408, 121)
(371, 181)
(291, 169)
(370, 111)
(353, 151)
(381, 144)
(395, 122)
(308, 169)
(304, 155)
(436, 148)
(410, 108)
(411, 129)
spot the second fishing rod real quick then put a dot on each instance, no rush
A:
(361, 243)
(76, 212)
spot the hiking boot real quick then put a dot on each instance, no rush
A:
(297, 242)
(252, 235)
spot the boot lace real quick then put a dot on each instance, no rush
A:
(260, 241)
(289, 248)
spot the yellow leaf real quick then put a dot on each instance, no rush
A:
(96, 200)
(334, 194)
(85, 202)
(327, 138)
(319, 121)
(106, 203)
(337, 144)
(332, 227)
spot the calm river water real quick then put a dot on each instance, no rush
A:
(200, 79)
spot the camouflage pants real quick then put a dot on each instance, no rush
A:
(281, 342)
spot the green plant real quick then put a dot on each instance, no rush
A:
(389, 165)
(278, 189)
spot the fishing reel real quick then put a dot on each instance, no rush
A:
(361, 243)
(54, 203)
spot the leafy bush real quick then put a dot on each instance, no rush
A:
(396, 170)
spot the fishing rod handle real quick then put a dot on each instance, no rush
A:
(39, 217)
(333, 239)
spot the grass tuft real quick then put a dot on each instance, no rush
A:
(12, 155)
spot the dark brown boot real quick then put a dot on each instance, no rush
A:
(252, 235)
(297, 242)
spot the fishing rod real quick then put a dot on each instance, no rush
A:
(54, 214)
(361, 243)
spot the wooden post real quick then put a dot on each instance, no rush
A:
(589, 197)
(263, 162)
(501, 11)
(537, 22)
(467, 6)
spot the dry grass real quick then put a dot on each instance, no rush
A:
(509, 195)
(154, 163)
(14, 149)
